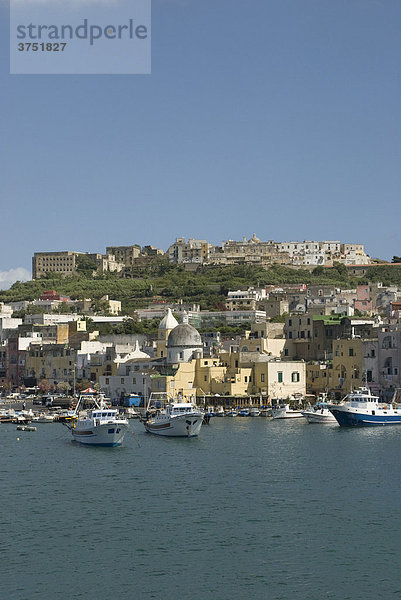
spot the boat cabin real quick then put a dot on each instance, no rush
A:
(104, 415)
(179, 408)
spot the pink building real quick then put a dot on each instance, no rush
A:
(363, 301)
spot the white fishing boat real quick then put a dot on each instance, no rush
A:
(176, 419)
(98, 426)
(284, 411)
(254, 411)
(360, 408)
(220, 412)
(266, 411)
(319, 413)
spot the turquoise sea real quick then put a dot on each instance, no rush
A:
(252, 508)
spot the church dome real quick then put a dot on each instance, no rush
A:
(135, 354)
(184, 336)
(169, 321)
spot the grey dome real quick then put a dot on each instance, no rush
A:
(184, 335)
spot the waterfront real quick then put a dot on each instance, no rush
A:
(253, 507)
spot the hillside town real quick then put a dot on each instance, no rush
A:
(290, 339)
(192, 253)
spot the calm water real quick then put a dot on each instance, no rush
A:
(251, 508)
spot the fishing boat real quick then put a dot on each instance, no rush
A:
(98, 426)
(243, 412)
(284, 411)
(254, 411)
(359, 408)
(175, 419)
(319, 413)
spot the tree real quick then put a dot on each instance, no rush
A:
(44, 386)
(341, 269)
(83, 385)
(85, 265)
(63, 386)
(396, 259)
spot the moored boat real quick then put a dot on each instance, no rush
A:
(99, 426)
(319, 413)
(232, 413)
(176, 419)
(284, 411)
(359, 408)
(254, 411)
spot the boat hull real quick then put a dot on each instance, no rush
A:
(175, 426)
(346, 418)
(280, 413)
(319, 417)
(107, 434)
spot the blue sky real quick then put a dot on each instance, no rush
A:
(279, 117)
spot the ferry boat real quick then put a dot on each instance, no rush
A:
(360, 408)
(176, 419)
(100, 426)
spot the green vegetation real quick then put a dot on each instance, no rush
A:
(207, 287)
(85, 265)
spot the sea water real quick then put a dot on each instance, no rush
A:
(252, 508)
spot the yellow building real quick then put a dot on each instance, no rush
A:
(319, 377)
(347, 364)
(54, 362)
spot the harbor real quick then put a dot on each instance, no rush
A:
(275, 502)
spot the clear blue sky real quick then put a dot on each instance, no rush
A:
(279, 117)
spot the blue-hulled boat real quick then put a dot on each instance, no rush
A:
(360, 408)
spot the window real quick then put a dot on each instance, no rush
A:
(351, 352)
(134, 380)
(181, 355)
(205, 378)
(280, 377)
(122, 379)
(295, 378)
(262, 377)
(285, 351)
(246, 379)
